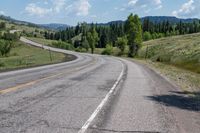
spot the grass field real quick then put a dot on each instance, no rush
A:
(27, 56)
(182, 51)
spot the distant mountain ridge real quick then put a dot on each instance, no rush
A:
(54, 26)
(171, 19)
(51, 26)
(159, 19)
(19, 22)
(57, 26)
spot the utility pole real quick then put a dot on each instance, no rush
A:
(146, 55)
(50, 55)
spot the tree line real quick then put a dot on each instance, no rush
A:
(117, 34)
(91, 36)
(163, 29)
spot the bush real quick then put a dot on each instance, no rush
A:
(147, 36)
(11, 36)
(62, 45)
(5, 47)
(85, 44)
(80, 49)
(2, 25)
(121, 44)
(108, 50)
(2, 64)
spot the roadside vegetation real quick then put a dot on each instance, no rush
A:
(181, 51)
(15, 54)
(188, 81)
(22, 56)
(177, 58)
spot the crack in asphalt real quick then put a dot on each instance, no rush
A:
(121, 131)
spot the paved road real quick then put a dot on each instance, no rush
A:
(67, 97)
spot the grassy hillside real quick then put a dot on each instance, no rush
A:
(22, 27)
(182, 51)
(26, 56)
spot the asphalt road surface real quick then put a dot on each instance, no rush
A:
(94, 94)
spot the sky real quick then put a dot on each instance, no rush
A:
(73, 11)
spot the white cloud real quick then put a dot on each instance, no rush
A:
(44, 8)
(132, 2)
(145, 5)
(47, 7)
(2, 13)
(79, 7)
(83, 8)
(157, 2)
(33, 9)
(189, 9)
(58, 5)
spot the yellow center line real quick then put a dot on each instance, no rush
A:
(4, 91)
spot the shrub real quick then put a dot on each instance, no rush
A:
(62, 45)
(2, 25)
(5, 47)
(108, 50)
(80, 49)
(122, 43)
(147, 36)
(11, 36)
(2, 64)
(85, 44)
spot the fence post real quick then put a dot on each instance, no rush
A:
(50, 55)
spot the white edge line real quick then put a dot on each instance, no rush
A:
(103, 102)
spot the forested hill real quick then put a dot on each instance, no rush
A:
(160, 19)
(157, 19)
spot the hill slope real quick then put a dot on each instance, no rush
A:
(54, 26)
(182, 51)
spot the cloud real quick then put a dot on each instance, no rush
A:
(189, 9)
(132, 2)
(79, 7)
(2, 13)
(33, 9)
(146, 5)
(58, 5)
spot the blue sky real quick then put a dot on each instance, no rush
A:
(73, 11)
